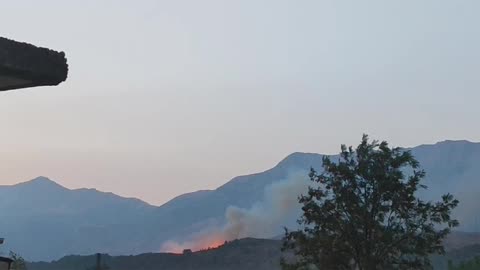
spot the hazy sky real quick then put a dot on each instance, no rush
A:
(167, 97)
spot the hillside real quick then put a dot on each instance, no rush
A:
(41, 213)
(244, 254)
(237, 255)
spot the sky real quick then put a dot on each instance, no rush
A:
(168, 97)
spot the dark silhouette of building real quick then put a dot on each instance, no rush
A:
(5, 263)
(24, 65)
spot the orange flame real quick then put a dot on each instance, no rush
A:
(204, 242)
(208, 241)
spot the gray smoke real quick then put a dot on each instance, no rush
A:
(265, 219)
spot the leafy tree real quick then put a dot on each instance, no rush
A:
(473, 264)
(18, 262)
(362, 213)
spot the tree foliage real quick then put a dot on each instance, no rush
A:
(473, 264)
(363, 212)
(18, 262)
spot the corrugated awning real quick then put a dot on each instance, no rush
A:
(24, 65)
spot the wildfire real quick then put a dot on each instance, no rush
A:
(201, 243)
(214, 244)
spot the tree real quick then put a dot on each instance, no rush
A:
(363, 213)
(473, 264)
(18, 262)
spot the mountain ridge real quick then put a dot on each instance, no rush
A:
(238, 254)
(86, 221)
(43, 180)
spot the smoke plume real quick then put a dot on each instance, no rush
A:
(265, 219)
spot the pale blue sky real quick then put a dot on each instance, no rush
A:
(167, 97)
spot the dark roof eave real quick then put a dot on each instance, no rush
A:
(30, 65)
(7, 260)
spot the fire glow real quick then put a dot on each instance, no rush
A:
(204, 242)
(264, 219)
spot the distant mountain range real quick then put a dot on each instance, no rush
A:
(42, 220)
(243, 254)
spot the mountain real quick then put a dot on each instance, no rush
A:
(42, 220)
(452, 167)
(259, 254)
(243, 191)
(243, 254)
